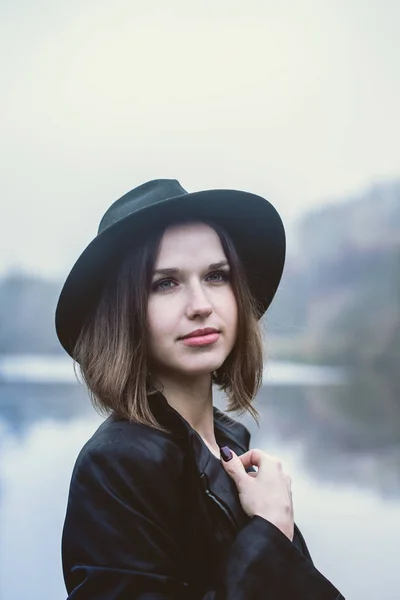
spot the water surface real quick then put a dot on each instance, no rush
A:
(351, 521)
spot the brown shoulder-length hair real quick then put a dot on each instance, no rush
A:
(112, 349)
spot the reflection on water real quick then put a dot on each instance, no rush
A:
(42, 428)
(35, 474)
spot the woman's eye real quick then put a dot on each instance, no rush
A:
(218, 276)
(163, 286)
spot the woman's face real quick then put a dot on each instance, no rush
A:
(191, 291)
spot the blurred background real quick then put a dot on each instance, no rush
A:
(295, 100)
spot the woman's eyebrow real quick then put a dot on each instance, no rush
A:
(218, 265)
(174, 270)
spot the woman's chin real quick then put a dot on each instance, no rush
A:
(199, 368)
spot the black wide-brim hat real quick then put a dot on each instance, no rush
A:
(253, 224)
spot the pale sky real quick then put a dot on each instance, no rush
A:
(296, 100)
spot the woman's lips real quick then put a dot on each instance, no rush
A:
(201, 340)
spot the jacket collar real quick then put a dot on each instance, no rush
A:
(223, 424)
(209, 469)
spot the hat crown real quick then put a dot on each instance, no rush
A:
(143, 196)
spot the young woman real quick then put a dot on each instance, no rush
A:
(166, 499)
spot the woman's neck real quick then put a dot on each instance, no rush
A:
(192, 399)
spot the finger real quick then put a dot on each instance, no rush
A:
(233, 466)
(255, 456)
(288, 480)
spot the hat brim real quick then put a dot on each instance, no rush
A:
(252, 222)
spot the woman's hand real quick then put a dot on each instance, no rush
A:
(267, 492)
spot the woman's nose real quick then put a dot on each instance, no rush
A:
(198, 303)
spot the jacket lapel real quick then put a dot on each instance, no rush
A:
(212, 476)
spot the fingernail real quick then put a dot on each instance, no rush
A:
(226, 453)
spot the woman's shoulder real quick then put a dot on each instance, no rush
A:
(123, 469)
(137, 445)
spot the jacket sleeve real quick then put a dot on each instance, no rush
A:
(123, 538)
(263, 563)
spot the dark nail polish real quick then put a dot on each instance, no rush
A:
(226, 454)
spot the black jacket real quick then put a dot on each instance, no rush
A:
(153, 516)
